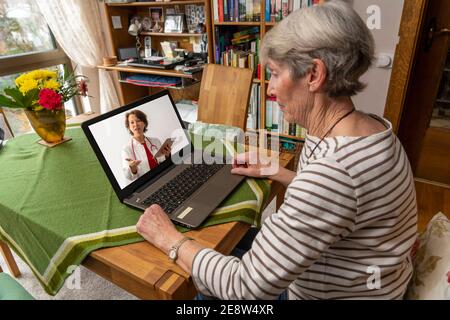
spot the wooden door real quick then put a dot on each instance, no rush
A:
(427, 146)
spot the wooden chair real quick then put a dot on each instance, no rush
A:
(224, 95)
(9, 258)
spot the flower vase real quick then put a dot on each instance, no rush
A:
(50, 125)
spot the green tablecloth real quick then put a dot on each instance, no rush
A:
(57, 205)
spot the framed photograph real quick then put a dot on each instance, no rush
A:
(174, 23)
(156, 16)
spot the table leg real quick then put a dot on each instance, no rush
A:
(12, 266)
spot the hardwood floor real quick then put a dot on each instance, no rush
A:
(432, 198)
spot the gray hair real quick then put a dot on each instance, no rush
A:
(332, 32)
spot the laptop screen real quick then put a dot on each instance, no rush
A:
(137, 140)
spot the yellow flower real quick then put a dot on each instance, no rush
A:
(21, 79)
(38, 75)
(51, 84)
(46, 74)
(27, 85)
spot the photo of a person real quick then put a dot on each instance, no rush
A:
(142, 153)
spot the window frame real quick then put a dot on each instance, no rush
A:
(38, 60)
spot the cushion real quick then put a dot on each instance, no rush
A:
(432, 262)
(10, 289)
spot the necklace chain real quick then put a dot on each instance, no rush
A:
(329, 130)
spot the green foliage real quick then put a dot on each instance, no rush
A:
(13, 98)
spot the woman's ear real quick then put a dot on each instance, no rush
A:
(317, 76)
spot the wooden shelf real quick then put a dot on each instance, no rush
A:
(154, 3)
(162, 34)
(270, 133)
(161, 72)
(165, 87)
(119, 38)
(236, 23)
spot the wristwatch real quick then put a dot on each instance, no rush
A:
(173, 252)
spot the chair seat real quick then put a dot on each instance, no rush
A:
(10, 289)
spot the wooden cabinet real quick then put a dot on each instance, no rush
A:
(118, 17)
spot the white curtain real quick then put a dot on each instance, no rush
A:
(76, 25)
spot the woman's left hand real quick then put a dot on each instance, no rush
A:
(155, 226)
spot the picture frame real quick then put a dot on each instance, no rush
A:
(174, 23)
(157, 18)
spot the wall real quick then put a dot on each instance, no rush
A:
(373, 98)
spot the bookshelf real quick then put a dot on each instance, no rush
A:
(122, 12)
(233, 23)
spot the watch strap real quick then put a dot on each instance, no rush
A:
(177, 246)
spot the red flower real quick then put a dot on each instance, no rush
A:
(50, 99)
(82, 87)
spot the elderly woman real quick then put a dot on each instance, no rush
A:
(142, 153)
(348, 221)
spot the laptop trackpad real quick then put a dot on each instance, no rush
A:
(207, 198)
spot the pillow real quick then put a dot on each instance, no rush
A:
(432, 262)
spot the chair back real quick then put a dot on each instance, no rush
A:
(224, 95)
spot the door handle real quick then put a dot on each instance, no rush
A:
(432, 33)
(443, 31)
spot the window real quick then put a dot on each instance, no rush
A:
(26, 44)
(24, 29)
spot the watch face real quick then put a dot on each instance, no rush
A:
(173, 254)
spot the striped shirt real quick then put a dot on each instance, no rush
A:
(344, 231)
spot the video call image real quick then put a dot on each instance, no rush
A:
(138, 140)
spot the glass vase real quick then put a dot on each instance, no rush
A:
(50, 125)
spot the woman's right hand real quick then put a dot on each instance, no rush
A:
(253, 164)
(133, 165)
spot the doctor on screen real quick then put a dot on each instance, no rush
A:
(141, 154)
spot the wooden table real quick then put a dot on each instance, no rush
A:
(146, 272)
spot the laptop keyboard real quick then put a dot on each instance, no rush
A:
(177, 190)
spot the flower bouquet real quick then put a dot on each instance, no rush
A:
(42, 93)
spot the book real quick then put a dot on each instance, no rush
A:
(278, 11)
(245, 32)
(243, 39)
(269, 114)
(221, 15)
(242, 10)
(284, 8)
(267, 12)
(257, 10)
(249, 10)
(226, 13)
(216, 10)
(273, 7)
(276, 116)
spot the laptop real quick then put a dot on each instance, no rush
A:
(187, 190)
